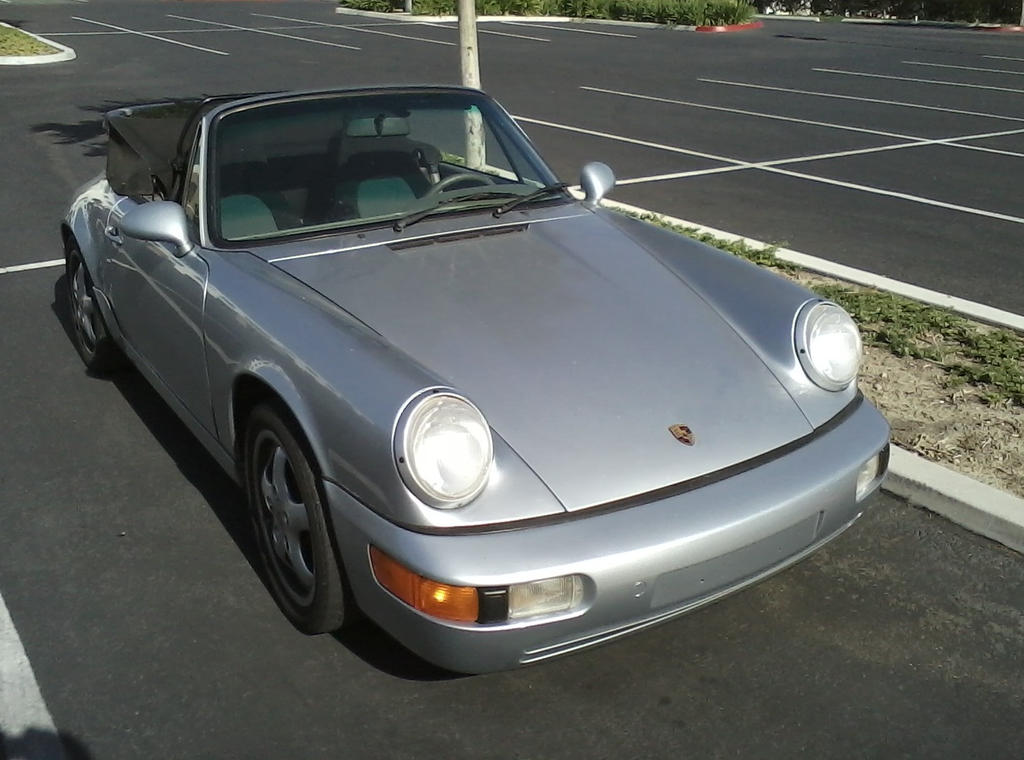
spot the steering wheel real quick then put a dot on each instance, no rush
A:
(454, 179)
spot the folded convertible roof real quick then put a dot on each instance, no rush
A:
(147, 142)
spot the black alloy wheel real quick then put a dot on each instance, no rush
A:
(287, 506)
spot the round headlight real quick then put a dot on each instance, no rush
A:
(828, 344)
(443, 448)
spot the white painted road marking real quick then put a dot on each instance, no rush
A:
(900, 103)
(35, 265)
(151, 36)
(738, 164)
(173, 31)
(567, 29)
(964, 68)
(1004, 57)
(484, 31)
(744, 112)
(923, 81)
(742, 165)
(917, 140)
(356, 29)
(972, 309)
(24, 718)
(263, 31)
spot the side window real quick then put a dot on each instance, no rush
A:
(190, 192)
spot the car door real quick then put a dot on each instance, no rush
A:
(158, 296)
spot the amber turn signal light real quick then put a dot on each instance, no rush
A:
(431, 597)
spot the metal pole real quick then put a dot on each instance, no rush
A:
(469, 60)
(408, 6)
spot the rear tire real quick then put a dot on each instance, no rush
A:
(286, 504)
(97, 348)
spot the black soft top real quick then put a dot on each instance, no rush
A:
(147, 144)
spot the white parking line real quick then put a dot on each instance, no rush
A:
(150, 36)
(744, 112)
(900, 103)
(484, 31)
(357, 29)
(964, 68)
(923, 81)
(953, 142)
(1003, 57)
(737, 164)
(170, 31)
(34, 265)
(568, 29)
(741, 165)
(901, 196)
(972, 309)
(24, 717)
(263, 31)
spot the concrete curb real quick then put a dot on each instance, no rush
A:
(401, 16)
(730, 27)
(934, 24)
(786, 17)
(64, 53)
(971, 309)
(978, 507)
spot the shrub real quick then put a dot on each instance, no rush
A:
(985, 11)
(689, 12)
(381, 6)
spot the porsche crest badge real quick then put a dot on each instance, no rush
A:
(683, 434)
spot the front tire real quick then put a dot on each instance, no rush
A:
(91, 337)
(286, 505)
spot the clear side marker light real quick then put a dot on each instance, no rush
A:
(871, 472)
(546, 597)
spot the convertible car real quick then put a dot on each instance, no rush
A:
(502, 422)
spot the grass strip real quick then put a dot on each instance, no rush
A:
(16, 42)
(990, 359)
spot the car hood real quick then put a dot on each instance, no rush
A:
(580, 348)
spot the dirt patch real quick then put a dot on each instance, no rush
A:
(957, 426)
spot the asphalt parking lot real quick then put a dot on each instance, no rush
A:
(124, 558)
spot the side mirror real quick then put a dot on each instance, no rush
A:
(597, 180)
(163, 221)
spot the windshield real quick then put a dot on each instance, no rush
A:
(333, 161)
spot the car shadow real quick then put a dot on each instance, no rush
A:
(365, 639)
(43, 744)
(88, 131)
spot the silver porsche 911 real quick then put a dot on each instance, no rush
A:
(503, 423)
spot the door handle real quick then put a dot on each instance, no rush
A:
(113, 235)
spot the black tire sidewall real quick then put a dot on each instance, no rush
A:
(327, 610)
(74, 262)
(103, 356)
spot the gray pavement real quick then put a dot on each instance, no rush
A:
(124, 555)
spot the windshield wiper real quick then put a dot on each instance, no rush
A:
(504, 209)
(416, 216)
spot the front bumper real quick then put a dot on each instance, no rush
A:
(642, 565)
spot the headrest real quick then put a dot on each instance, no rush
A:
(381, 125)
(241, 143)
